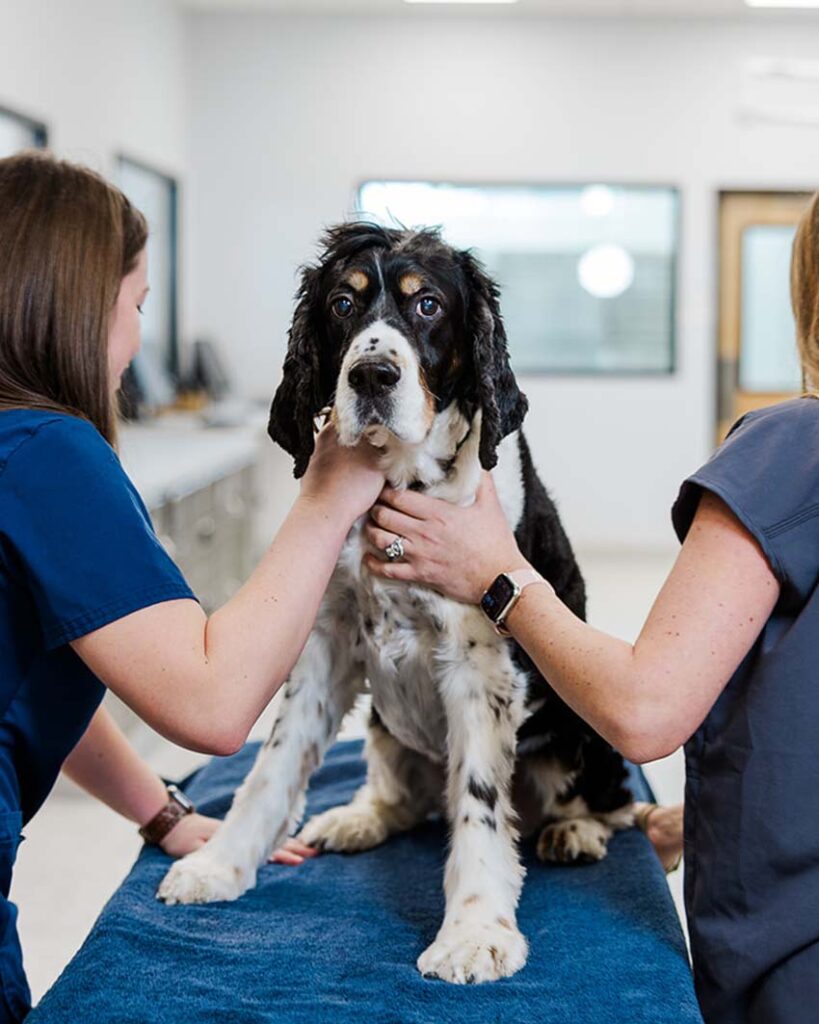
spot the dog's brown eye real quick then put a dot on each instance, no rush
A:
(342, 307)
(428, 306)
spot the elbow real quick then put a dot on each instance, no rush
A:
(644, 738)
(224, 743)
(218, 739)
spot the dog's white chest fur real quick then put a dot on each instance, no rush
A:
(395, 631)
(408, 637)
(401, 635)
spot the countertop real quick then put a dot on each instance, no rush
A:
(177, 453)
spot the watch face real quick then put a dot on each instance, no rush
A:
(498, 597)
(180, 797)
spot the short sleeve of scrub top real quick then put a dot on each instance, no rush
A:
(767, 472)
(76, 530)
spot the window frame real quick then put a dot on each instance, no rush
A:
(172, 181)
(38, 129)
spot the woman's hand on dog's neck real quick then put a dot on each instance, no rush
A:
(343, 482)
(457, 551)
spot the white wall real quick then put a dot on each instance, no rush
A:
(289, 114)
(106, 76)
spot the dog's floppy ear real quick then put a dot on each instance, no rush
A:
(504, 405)
(300, 396)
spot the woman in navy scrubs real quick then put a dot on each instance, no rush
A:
(88, 596)
(726, 663)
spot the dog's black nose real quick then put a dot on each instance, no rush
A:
(373, 377)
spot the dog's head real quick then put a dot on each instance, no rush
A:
(390, 329)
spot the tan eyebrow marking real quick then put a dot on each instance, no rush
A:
(410, 284)
(358, 280)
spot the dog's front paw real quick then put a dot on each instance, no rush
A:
(345, 829)
(578, 841)
(471, 952)
(201, 878)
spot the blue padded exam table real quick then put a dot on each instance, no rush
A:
(336, 939)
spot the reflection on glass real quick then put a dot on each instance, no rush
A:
(587, 271)
(768, 360)
(606, 271)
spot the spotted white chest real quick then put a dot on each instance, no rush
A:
(400, 644)
(397, 635)
(407, 638)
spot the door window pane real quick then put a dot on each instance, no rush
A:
(768, 360)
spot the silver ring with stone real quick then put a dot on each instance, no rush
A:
(395, 550)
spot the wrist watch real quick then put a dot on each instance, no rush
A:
(504, 593)
(177, 807)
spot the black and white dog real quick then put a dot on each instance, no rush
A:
(402, 335)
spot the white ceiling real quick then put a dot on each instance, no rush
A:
(563, 8)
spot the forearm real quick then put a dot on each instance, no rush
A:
(106, 765)
(649, 697)
(646, 698)
(601, 677)
(202, 682)
(252, 642)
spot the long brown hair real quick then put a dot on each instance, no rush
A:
(805, 295)
(67, 239)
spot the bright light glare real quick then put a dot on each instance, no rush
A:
(597, 201)
(460, 1)
(782, 3)
(606, 271)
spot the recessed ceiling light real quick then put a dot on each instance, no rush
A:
(782, 3)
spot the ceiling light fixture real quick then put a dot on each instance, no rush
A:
(783, 3)
(463, 1)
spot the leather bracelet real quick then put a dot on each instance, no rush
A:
(177, 808)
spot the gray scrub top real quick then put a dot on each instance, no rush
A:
(752, 785)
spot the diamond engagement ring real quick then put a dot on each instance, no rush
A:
(395, 550)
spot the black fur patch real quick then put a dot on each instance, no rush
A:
(483, 791)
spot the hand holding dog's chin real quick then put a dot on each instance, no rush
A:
(342, 481)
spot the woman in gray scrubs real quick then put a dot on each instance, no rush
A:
(726, 663)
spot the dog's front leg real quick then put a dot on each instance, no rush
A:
(322, 688)
(479, 939)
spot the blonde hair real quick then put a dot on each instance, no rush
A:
(805, 295)
(67, 239)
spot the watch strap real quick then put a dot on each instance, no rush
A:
(177, 807)
(524, 578)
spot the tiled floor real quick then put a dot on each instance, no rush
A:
(76, 851)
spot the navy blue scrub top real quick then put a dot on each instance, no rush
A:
(752, 768)
(77, 551)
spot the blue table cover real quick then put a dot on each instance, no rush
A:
(336, 939)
